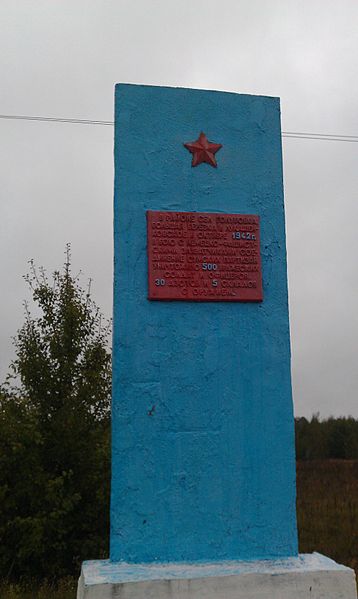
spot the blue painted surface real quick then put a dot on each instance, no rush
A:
(203, 445)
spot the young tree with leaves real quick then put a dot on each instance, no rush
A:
(54, 432)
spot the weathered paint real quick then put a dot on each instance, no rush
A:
(203, 447)
(308, 576)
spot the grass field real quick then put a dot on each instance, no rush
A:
(66, 589)
(327, 510)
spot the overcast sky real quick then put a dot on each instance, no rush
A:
(61, 58)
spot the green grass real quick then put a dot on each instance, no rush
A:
(327, 512)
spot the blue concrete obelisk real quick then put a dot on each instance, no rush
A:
(203, 443)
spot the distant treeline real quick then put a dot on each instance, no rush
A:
(334, 438)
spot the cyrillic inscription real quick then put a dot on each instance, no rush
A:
(201, 256)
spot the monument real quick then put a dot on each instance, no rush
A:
(203, 464)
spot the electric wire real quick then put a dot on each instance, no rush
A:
(320, 134)
(76, 121)
(336, 138)
(21, 117)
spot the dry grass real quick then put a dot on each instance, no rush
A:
(65, 589)
(327, 509)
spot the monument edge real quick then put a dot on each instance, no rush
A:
(119, 85)
(311, 575)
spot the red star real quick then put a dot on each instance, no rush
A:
(203, 150)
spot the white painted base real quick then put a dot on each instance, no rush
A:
(308, 576)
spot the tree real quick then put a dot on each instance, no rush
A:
(333, 438)
(54, 432)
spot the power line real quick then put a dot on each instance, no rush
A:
(18, 117)
(287, 134)
(325, 138)
(319, 134)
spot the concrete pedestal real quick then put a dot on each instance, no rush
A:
(308, 576)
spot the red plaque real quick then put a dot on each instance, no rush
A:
(204, 256)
